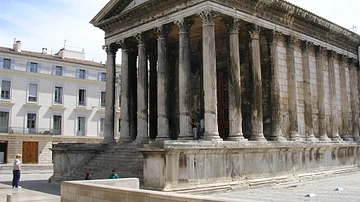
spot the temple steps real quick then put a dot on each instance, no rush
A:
(122, 157)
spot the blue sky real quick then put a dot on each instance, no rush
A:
(47, 23)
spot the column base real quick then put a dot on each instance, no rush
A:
(311, 138)
(237, 137)
(214, 137)
(324, 138)
(258, 137)
(295, 137)
(185, 137)
(336, 138)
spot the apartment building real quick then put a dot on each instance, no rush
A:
(48, 98)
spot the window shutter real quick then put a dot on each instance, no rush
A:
(77, 73)
(38, 68)
(12, 65)
(53, 70)
(33, 89)
(5, 86)
(99, 76)
(28, 66)
(63, 71)
(86, 74)
(1, 62)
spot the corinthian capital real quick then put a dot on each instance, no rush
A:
(232, 24)
(208, 16)
(184, 24)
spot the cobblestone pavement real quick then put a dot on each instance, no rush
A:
(345, 187)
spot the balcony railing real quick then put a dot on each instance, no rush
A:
(37, 131)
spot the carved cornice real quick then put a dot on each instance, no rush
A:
(276, 11)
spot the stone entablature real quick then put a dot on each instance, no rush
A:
(270, 14)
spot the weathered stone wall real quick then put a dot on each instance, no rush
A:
(188, 165)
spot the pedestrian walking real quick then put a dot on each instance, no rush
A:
(16, 172)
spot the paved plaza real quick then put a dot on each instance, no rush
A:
(346, 187)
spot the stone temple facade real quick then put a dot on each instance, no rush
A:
(259, 70)
(277, 87)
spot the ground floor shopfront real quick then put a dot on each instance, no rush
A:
(35, 149)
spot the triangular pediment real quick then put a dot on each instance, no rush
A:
(134, 4)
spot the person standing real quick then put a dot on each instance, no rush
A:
(114, 175)
(202, 128)
(87, 176)
(194, 129)
(16, 171)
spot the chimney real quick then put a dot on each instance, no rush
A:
(44, 51)
(17, 45)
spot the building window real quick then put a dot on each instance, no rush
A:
(102, 97)
(7, 63)
(57, 124)
(32, 92)
(33, 67)
(81, 74)
(58, 95)
(101, 126)
(59, 71)
(4, 122)
(31, 123)
(102, 76)
(81, 126)
(82, 97)
(5, 89)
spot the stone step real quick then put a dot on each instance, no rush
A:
(124, 158)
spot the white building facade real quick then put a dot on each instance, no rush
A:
(59, 95)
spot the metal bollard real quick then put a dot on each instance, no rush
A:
(9, 198)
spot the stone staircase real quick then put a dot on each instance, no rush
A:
(122, 157)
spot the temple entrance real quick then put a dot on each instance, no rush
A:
(223, 102)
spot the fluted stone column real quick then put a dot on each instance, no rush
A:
(234, 82)
(109, 137)
(292, 90)
(321, 94)
(125, 98)
(184, 79)
(354, 99)
(162, 85)
(257, 133)
(209, 75)
(308, 113)
(142, 92)
(344, 99)
(272, 40)
(333, 108)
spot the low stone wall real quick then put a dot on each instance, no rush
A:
(68, 157)
(116, 190)
(191, 166)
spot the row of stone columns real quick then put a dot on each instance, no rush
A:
(234, 83)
